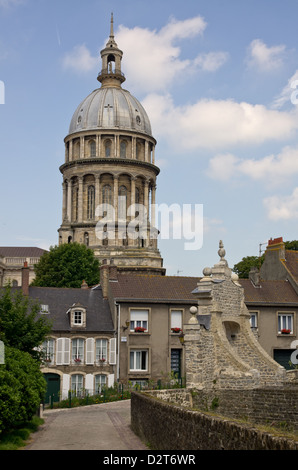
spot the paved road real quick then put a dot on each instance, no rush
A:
(94, 427)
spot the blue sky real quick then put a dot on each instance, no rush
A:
(215, 78)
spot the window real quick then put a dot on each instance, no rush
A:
(100, 382)
(77, 384)
(176, 320)
(253, 319)
(77, 350)
(139, 319)
(48, 350)
(122, 198)
(138, 360)
(108, 146)
(92, 148)
(106, 197)
(101, 350)
(285, 323)
(91, 202)
(77, 317)
(123, 146)
(44, 309)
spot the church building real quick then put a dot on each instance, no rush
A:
(109, 174)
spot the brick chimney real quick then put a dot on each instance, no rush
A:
(25, 278)
(107, 272)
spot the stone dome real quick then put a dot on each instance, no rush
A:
(110, 108)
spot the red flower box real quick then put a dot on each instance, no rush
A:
(285, 331)
(139, 329)
(176, 330)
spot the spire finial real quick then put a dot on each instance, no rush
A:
(112, 26)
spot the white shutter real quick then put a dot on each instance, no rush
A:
(65, 385)
(112, 356)
(63, 351)
(111, 380)
(90, 351)
(66, 355)
(59, 349)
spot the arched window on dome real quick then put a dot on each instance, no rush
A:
(76, 149)
(122, 200)
(91, 202)
(123, 146)
(108, 148)
(92, 148)
(137, 196)
(106, 197)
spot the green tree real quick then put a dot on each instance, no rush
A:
(67, 265)
(243, 267)
(291, 245)
(20, 326)
(22, 388)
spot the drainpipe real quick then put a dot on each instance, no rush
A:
(118, 347)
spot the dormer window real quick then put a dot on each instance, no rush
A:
(77, 316)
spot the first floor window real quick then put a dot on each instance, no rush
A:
(48, 350)
(139, 319)
(139, 360)
(101, 349)
(77, 384)
(100, 382)
(176, 319)
(77, 350)
(253, 319)
(285, 323)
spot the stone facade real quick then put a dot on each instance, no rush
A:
(109, 174)
(221, 351)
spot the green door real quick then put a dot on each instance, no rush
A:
(53, 387)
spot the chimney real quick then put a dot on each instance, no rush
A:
(107, 272)
(25, 278)
(104, 278)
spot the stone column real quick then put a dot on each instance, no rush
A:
(69, 195)
(64, 201)
(146, 197)
(97, 192)
(116, 190)
(82, 147)
(80, 199)
(153, 192)
(70, 153)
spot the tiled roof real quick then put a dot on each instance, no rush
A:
(174, 288)
(60, 300)
(141, 286)
(21, 252)
(274, 292)
(291, 263)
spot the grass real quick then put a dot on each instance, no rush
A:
(17, 438)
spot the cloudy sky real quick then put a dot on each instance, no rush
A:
(219, 81)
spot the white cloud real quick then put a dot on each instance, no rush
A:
(211, 61)
(282, 208)
(152, 59)
(10, 3)
(80, 59)
(272, 169)
(215, 124)
(288, 93)
(263, 57)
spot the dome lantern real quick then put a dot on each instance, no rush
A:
(111, 56)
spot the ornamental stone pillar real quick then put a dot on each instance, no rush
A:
(80, 200)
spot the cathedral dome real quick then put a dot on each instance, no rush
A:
(110, 108)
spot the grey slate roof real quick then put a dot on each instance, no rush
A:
(21, 251)
(59, 300)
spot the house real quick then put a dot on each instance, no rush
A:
(12, 258)
(80, 353)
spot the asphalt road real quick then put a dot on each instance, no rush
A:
(95, 427)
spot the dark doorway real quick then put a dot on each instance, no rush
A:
(176, 362)
(53, 387)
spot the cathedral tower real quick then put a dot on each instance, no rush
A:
(109, 174)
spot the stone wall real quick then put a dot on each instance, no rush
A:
(166, 426)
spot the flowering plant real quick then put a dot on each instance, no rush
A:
(140, 329)
(77, 359)
(176, 330)
(102, 359)
(286, 331)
